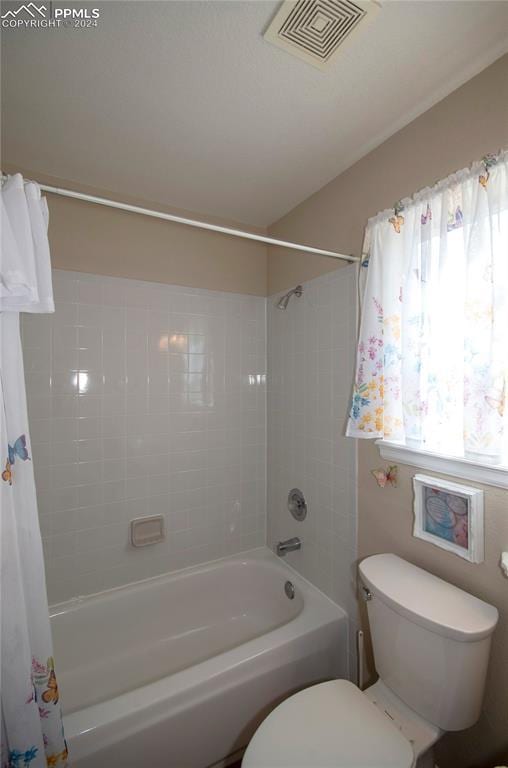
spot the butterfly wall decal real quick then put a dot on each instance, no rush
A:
(386, 476)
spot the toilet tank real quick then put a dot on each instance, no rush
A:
(431, 640)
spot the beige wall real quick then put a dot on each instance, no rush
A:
(470, 122)
(95, 239)
(463, 127)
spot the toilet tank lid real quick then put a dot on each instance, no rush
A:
(426, 599)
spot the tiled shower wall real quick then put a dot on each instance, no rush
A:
(145, 399)
(310, 364)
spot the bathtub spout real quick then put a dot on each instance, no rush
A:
(290, 545)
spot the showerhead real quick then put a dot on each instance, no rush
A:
(284, 300)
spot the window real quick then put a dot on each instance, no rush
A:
(432, 359)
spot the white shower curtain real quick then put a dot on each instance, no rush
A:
(31, 721)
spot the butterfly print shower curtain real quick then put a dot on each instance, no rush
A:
(31, 720)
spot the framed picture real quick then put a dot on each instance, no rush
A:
(450, 516)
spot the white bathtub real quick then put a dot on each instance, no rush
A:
(178, 671)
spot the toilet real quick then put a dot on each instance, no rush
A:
(431, 645)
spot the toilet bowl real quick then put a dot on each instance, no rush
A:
(431, 645)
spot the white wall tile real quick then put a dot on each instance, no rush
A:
(310, 370)
(150, 399)
(135, 409)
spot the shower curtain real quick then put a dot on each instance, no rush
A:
(31, 720)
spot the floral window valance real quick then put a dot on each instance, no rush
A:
(432, 359)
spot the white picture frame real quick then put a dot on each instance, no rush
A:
(450, 516)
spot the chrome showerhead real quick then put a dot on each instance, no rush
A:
(284, 300)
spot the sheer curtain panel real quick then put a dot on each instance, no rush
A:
(432, 358)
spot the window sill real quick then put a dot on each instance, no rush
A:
(447, 465)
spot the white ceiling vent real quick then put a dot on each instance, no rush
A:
(313, 30)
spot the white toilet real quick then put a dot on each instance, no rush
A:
(431, 646)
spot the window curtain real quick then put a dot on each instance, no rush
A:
(31, 720)
(432, 357)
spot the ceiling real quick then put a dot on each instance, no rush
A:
(185, 104)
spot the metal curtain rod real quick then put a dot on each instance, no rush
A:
(193, 222)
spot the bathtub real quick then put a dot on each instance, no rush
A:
(179, 670)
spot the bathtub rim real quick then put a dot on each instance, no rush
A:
(262, 554)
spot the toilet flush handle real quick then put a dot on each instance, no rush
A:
(367, 594)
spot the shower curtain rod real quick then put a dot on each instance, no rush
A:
(192, 222)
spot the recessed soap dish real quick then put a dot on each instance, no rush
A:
(147, 530)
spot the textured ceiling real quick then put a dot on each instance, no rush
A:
(185, 103)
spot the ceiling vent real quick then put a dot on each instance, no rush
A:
(314, 30)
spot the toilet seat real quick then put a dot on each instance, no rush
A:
(330, 725)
